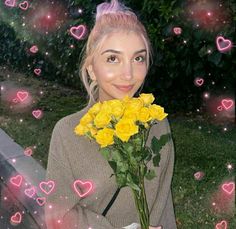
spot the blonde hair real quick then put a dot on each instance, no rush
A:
(110, 17)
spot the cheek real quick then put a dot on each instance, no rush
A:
(105, 73)
(141, 73)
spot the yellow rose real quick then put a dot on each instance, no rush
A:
(81, 129)
(147, 98)
(126, 99)
(143, 115)
(106, 107)
(117, 107)
(102, 119)
(125, 128)
(87, 118)
(104, 137)
(157, 112)
(95, 108)
(130, 114)
(93, 131)
(134, 104)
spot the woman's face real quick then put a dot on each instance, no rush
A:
(121, 61)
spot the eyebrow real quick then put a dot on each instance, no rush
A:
(119, 52)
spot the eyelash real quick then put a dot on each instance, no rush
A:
(115, 56)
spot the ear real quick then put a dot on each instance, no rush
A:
(91, 72)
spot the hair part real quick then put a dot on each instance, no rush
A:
(110, 17)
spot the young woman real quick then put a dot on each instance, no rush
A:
(115, 64)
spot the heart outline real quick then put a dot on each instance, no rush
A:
(228, 187)
(47, 183)
(30, 192)
(43, 199)
(177, 30)
(28, 152)
(219, 108)
(16, 180)
(34, 49)
(227, 103)
(22, 95)
(16, 218)
(37, 113)
(10, 3)
(82, 183)
(37, 71)
(198, 175)
(199, 81)
(220, 224)
(76, 28)
(24, 5)
(220, 39)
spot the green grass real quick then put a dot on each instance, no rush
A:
(207, 149)
(209, 152)
(56, 103)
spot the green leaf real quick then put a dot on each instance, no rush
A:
(116, 155)
(157, 145)
(105, 152)
(131, 182)
(147, 154)
(129, 147)
(121, 179)
(122, 167)
(156, 160)
(113, 165)
(150, 174)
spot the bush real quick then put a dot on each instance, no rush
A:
(178, 59)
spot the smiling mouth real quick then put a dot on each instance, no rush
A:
(125, 89)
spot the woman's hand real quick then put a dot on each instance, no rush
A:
(160, 227)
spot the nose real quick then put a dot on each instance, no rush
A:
(128, 71)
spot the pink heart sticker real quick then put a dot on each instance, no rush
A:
(30, 192)
(37, 113)
(227, 103)
(17, 180)
(28, 152)
(219, 108)
(228, 187)
(177, 30)
(78, 32)
(198, 175)
(199, 82)
(37, 71)
(223, 44)
(86, 187)
(24, 5)
(34, 49)
(41, 201)
(10, 3)
(47, 187)
(22, 95)
(221, 225)
(16, 218)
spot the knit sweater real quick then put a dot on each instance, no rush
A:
(72, 157)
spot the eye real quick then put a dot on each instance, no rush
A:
(111, 58)
(142, 58)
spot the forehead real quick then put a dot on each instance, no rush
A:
(123, 41)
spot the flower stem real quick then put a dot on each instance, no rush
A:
(141, 202)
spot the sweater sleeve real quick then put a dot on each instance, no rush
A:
(63, 209)
(162, 212)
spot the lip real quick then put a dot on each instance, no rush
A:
(124, 87)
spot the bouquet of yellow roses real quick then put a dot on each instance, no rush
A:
(121, 128)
